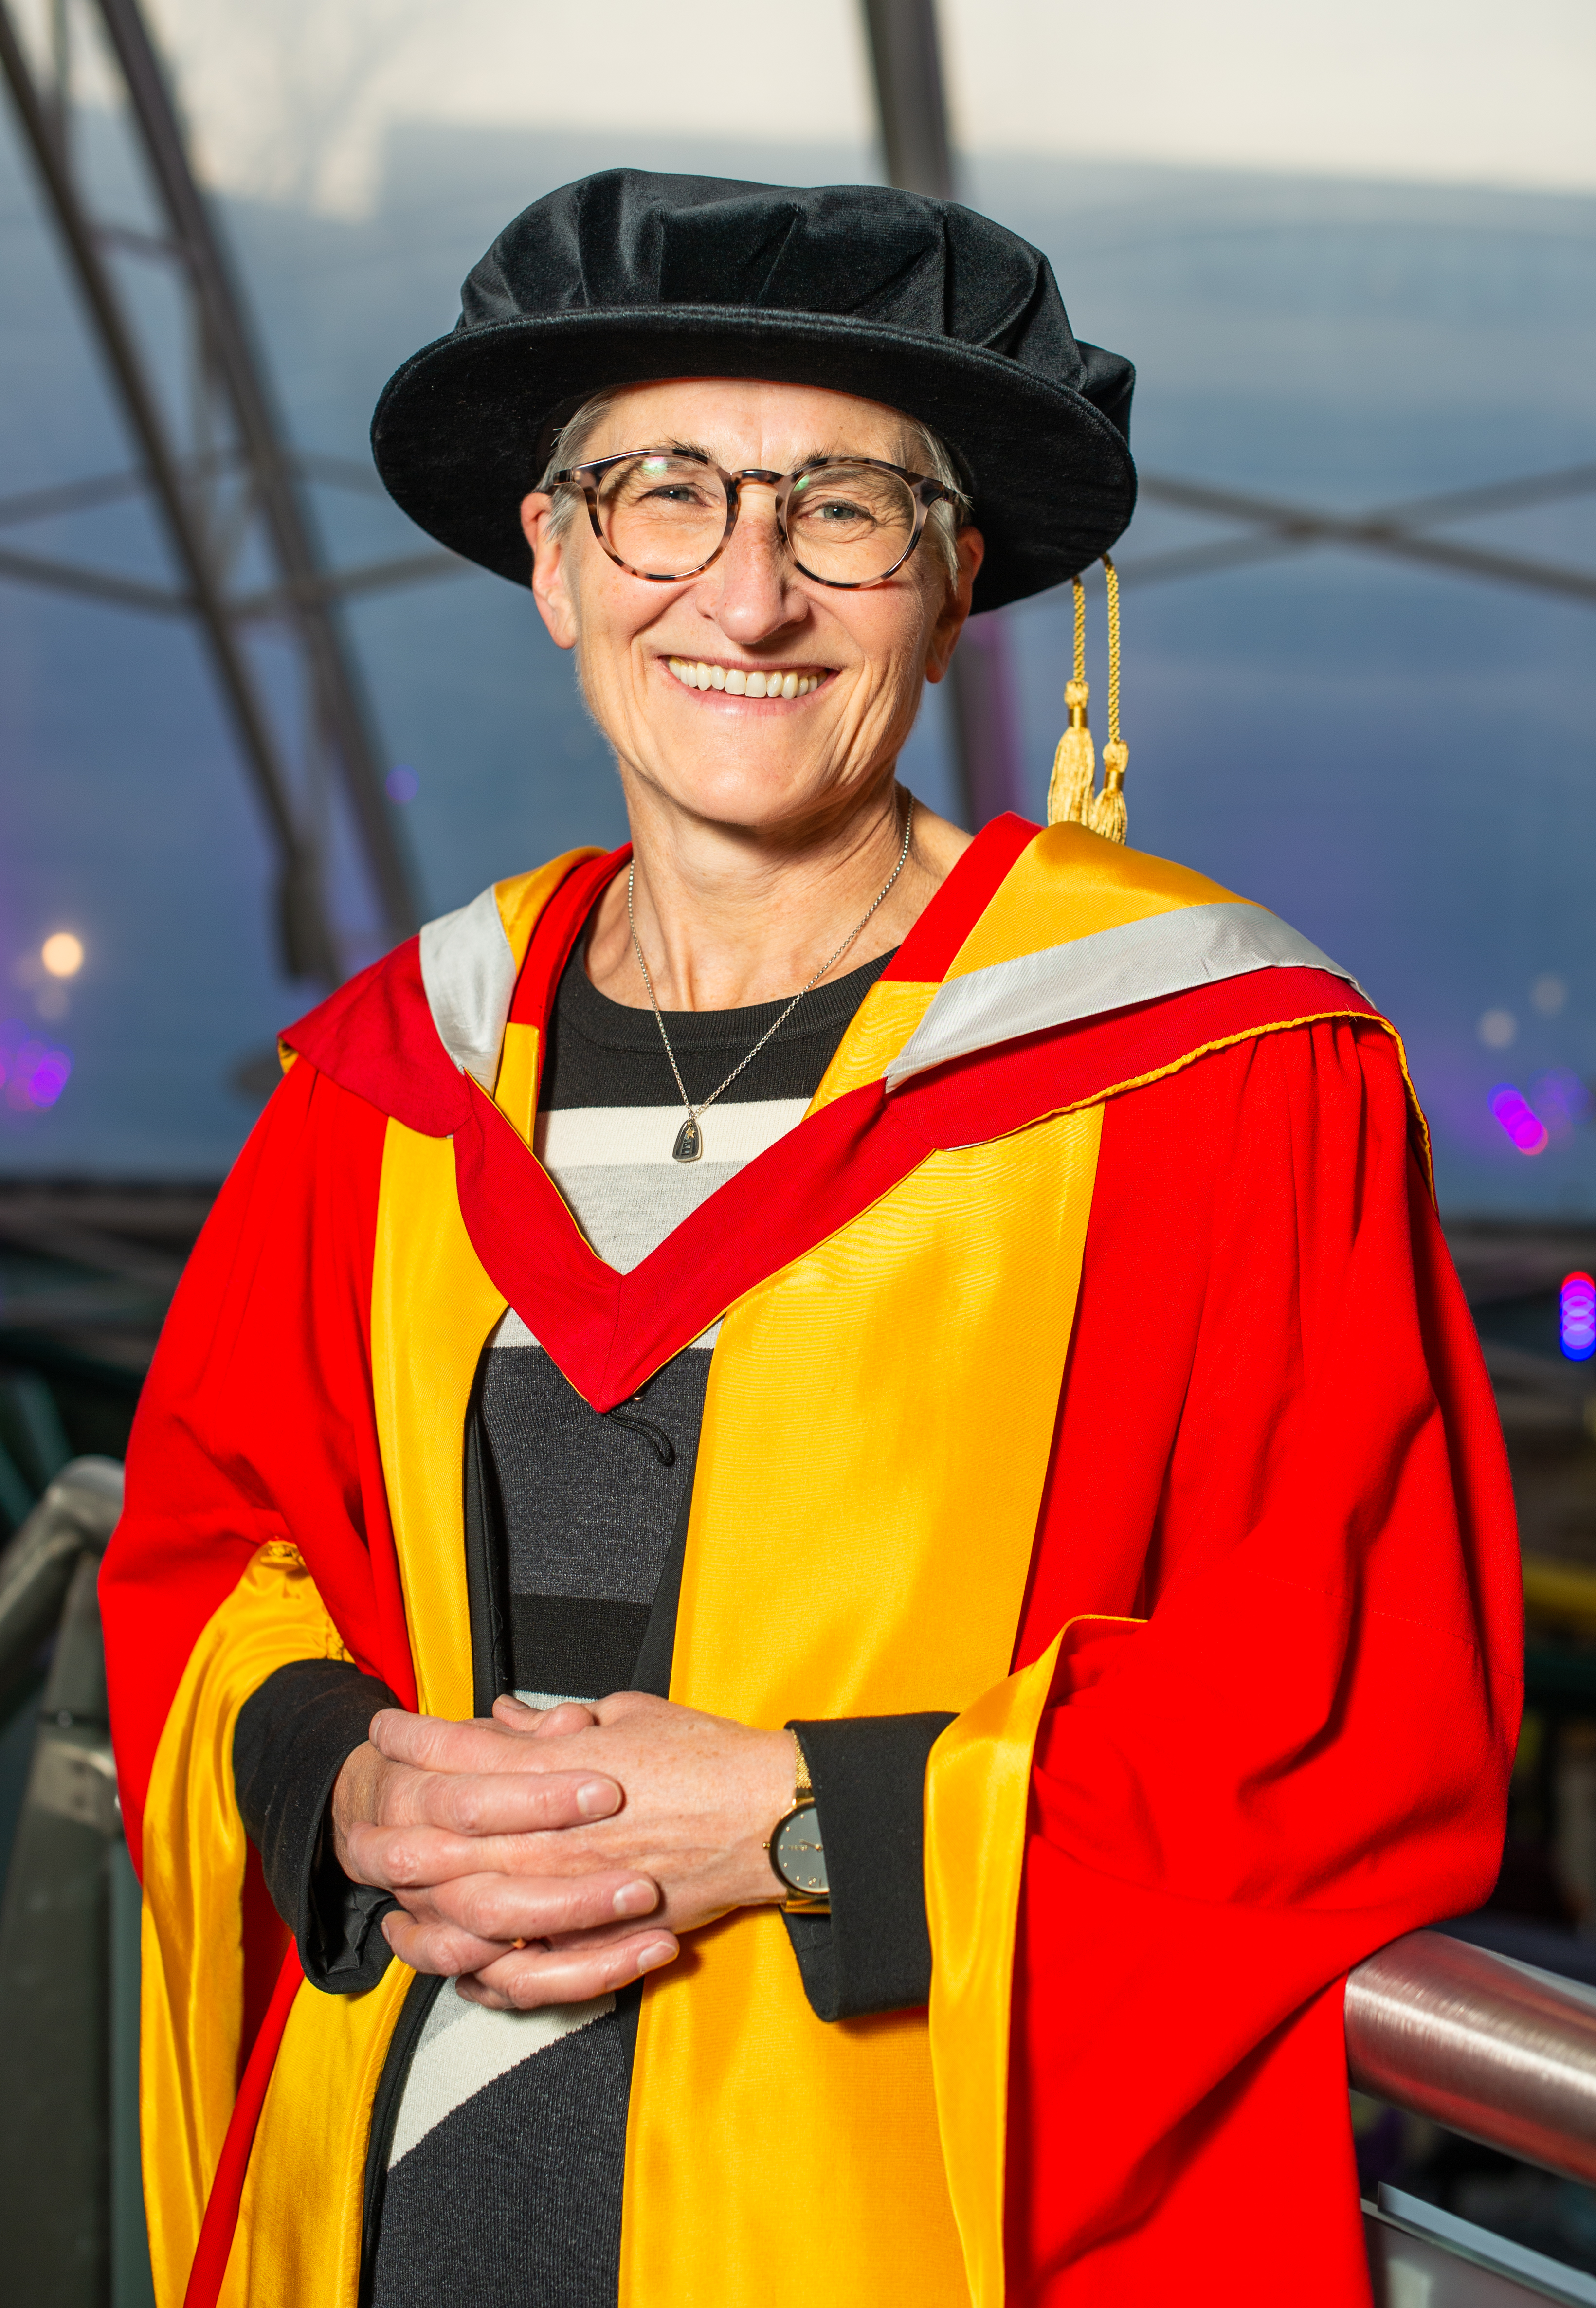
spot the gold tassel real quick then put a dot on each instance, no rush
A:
(1074, 763)
(1107, 813)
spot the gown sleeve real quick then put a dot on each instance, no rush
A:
(293, 1737)
(256, 1426)
(1278, 1475)
(255, 1534)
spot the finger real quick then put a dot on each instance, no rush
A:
(408, 1858)
(621, 1704)
(498, 1907)
(432, 1742)
(405, 1858)
(525, 1980)
(531, 1722)
(438, 1947)
(494, 1803)
(605, 1935)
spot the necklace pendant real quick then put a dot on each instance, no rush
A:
(689, 1142)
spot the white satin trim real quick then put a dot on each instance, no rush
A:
(468, 971)
(1138, 961)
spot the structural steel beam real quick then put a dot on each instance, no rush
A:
(912, 113)
(163, 600)
(907, 60)
(231, 341)
(1277, 527)
(912, 109)
(259, 463)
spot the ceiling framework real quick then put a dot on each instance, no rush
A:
(230, 496)
(1268, 529)
(247, 562)
(916, 145)
(906, 60)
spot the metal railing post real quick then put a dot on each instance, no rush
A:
(56, 2102)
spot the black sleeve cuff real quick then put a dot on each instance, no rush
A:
(873, 1952)
(294, 1736)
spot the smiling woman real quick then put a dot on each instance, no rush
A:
(781, 1769)
(800, 586)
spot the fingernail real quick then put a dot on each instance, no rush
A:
(636, 1899)
(596, 1798)
(653, 1957)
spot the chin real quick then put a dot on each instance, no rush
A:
(752, 802)
(746, 793)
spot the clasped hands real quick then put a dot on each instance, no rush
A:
(549, 1857)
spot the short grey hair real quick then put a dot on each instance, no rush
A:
(921, 448)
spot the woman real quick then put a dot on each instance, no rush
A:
(807, 1419)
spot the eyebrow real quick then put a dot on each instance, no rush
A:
(697, 449)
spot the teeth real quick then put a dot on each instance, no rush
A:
(693, 673)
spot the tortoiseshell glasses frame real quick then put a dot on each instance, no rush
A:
(919, 494)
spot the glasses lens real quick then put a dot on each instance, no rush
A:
(661, 515)
(849, 524)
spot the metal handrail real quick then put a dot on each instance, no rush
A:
(1487, 2046)
(78, 1510)
(72, 2217)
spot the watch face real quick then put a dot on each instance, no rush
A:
(800, 1855)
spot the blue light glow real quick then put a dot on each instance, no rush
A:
(1577, 1317)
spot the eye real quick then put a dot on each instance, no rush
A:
(834, 513)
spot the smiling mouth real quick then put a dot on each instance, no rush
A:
(739, 681)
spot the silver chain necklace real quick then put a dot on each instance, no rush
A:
(689, 1138)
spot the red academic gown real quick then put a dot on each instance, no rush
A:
(1277, 1441)
(1276, 1517)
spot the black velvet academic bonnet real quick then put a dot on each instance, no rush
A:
(917, 302)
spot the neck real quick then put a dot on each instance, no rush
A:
(728, 916)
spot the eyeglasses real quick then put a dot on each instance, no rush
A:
(664, 514)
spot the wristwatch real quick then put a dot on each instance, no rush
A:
(796, 1850)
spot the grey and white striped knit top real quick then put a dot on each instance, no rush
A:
(505, 2175)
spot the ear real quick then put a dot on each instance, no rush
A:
(550, 590)
(970, 546)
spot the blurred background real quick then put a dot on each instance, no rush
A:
(1352, 251)
(254, 728)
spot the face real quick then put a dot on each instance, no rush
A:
(858, 658)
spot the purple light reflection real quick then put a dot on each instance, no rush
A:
(1519, 1119)
(33, 1073)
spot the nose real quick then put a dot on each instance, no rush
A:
(755, 590)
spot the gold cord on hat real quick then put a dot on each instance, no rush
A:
(1074, 763)
(1108, 811)
(1071, 800)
